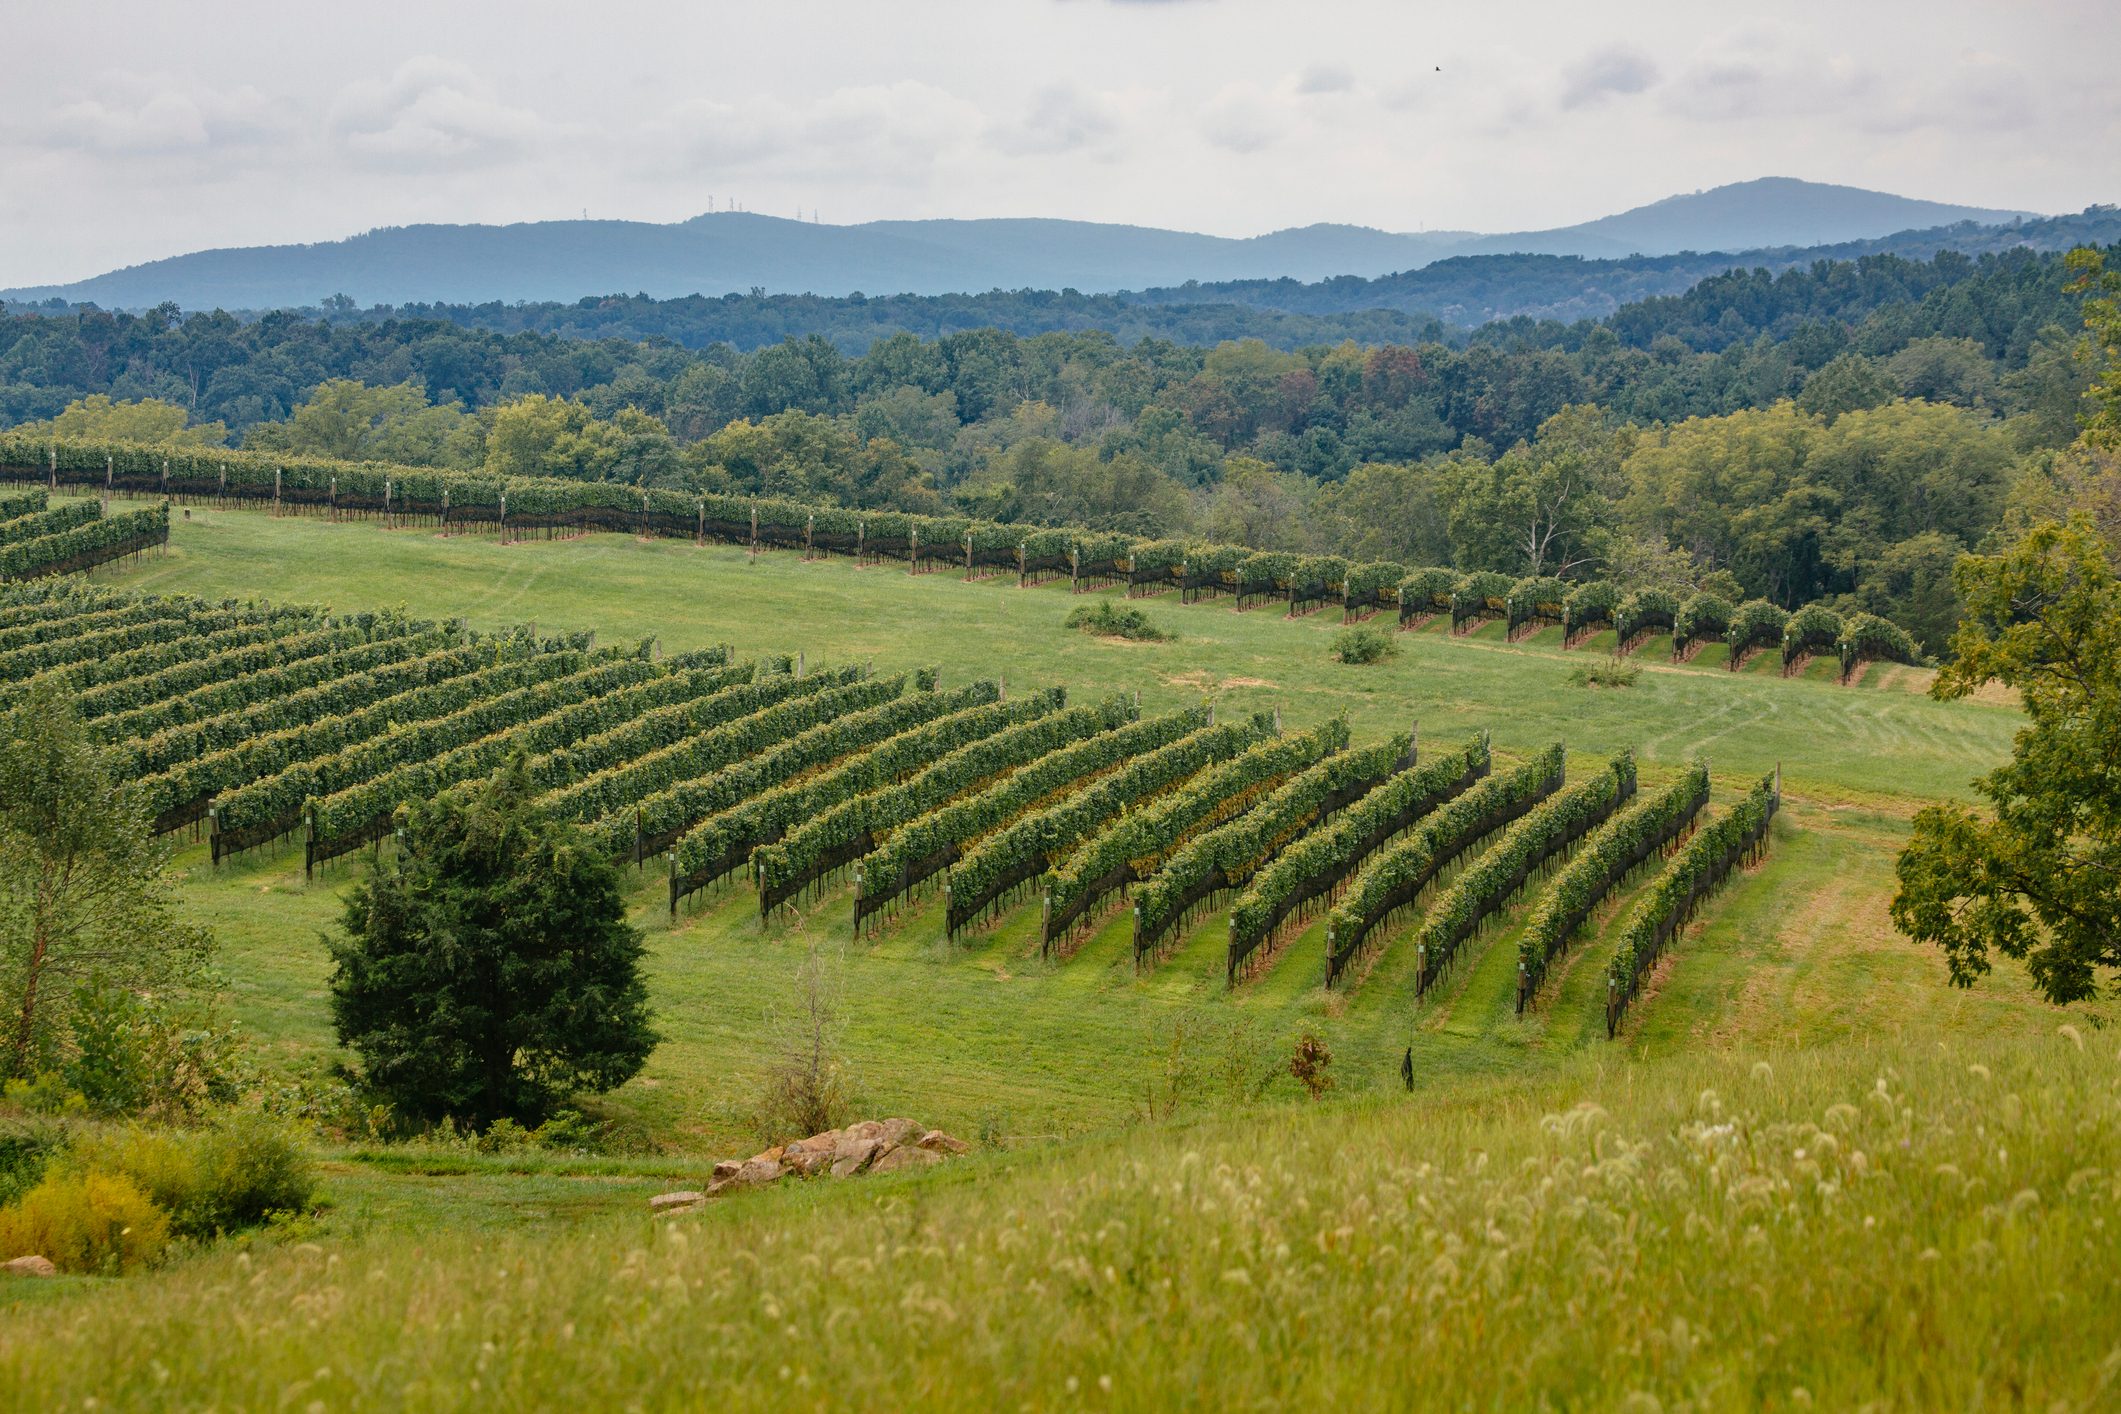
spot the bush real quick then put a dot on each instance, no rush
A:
(138, 1055)
(1106, 619)
(1363, 645)
(27, 1147)
(85, 1222)
(1611, 673)
(1310, 1064)
(251, 1168)
(209, 1181)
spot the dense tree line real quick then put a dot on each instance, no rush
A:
(1837, 432)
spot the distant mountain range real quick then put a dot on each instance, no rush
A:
(737, 252)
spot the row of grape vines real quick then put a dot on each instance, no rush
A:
(1088, 559)
(38, 539)
(269, 722)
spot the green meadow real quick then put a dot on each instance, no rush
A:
(1801, 1133)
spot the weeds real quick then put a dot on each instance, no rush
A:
(1105, 619)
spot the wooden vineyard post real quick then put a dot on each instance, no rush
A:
(861, 540)
(968, 557)
(165, 476)
(390, 521)
(857, 900)
(809, 534)
(445, 510)
(1137, 937)
(754, 531)
(54, 454)
(504, 517)
(1045, 923)
(276, 490)
(1023, 576)
(699, 536)
(109, 475)
(913, 550)
(1329, 954)
(334, 496)
(1421, 968)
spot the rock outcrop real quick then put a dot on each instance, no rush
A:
(866, 1146)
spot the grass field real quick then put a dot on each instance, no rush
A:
(1866, 1226)
(986, 1037)
(1485, 1239)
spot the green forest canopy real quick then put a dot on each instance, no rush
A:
(1837, 433)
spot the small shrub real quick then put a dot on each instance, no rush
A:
(1611, 673)
(1361, 645)
(251, 1169)
(806, 1090)
(131, 1054)
(1309, 1065)
(1106, 619)
(158, 1163)
(46, 1093)
(97, 1223)
(208, 1181)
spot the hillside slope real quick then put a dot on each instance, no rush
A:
(736, 251)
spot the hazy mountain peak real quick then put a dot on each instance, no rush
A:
(714, 253)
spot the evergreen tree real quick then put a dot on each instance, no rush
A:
(488, 969)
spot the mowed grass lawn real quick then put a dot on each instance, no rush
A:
(987, 1038)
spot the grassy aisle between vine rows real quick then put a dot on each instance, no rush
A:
(1925, 1226)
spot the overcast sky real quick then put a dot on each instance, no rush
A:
(131, 131)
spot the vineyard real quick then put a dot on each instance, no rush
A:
(39, 539)
(464, 502)
(839, 793)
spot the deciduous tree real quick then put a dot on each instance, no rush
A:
(84, 892)
(2038, 875)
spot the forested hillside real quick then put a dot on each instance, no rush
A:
(1840, 432)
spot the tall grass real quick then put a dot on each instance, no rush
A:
(1913, 1226)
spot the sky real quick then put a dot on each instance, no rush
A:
(132, 131)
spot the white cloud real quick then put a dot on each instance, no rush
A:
(1617, 70)
(153, 115)
(1756, 75)
(1243, 120)
(433, 114)
(900, 128)
(1322, 79)
(1059, 119)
